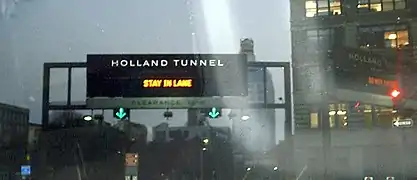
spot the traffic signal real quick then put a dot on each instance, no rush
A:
(330, 54)
(396, 99)
(121, 113)
(205, 142)
(213, 112)
(395, 93)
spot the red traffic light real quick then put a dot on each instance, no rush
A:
(395, 93)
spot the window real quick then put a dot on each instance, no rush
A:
(319, 39)
(380, 5)
(367, 112)
(338, 116)
(393, 36)
(322, 8)
(396, 39)
(385, 116)
(314, 120)
(335, 7)
(255, 85)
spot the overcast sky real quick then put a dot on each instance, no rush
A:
(66, 30)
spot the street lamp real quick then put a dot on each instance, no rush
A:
(245, 117)
(205, 142)
(87, 118)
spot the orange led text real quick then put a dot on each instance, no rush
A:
(381, 82)
(168, 83)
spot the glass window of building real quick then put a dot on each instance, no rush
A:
(319, 39)
(332, 115)
(322, 8)
(391, 36)
(396, 39)
(335, 7)
(380, 5)
(367, 113)
(314, 120)
(338, 116)
(385, 116)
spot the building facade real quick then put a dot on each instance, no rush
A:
(14, 122)
(347, 56)
(164, 133)
(33, 135)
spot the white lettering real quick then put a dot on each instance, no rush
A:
(167, 102)
(365, 59)
(139, 63)
(405, 122)
(164, 63)
(193, 63)
(146, 63)
(198, 62)
(124, 63)
(114, 63)
(176, 62)
(131, 64)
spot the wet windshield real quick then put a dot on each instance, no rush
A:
(207, 89)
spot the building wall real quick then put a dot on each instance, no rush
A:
(33, 135)
(312, 66)
(163, 132)
(367, 144)
(13, 138)
(365, 152)
(14, 123)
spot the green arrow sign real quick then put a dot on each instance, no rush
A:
(214, 113)
(121, 113)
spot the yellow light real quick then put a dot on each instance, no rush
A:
(392, 36)
(167, 83)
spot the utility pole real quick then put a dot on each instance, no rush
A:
(403, 155)
(326, 135)
(201, 164)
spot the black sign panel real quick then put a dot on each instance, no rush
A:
(166, 75)
(361, 70)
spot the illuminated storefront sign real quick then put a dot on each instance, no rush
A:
(167, 83)
(381, 82)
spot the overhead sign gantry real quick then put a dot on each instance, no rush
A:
(130, 83)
